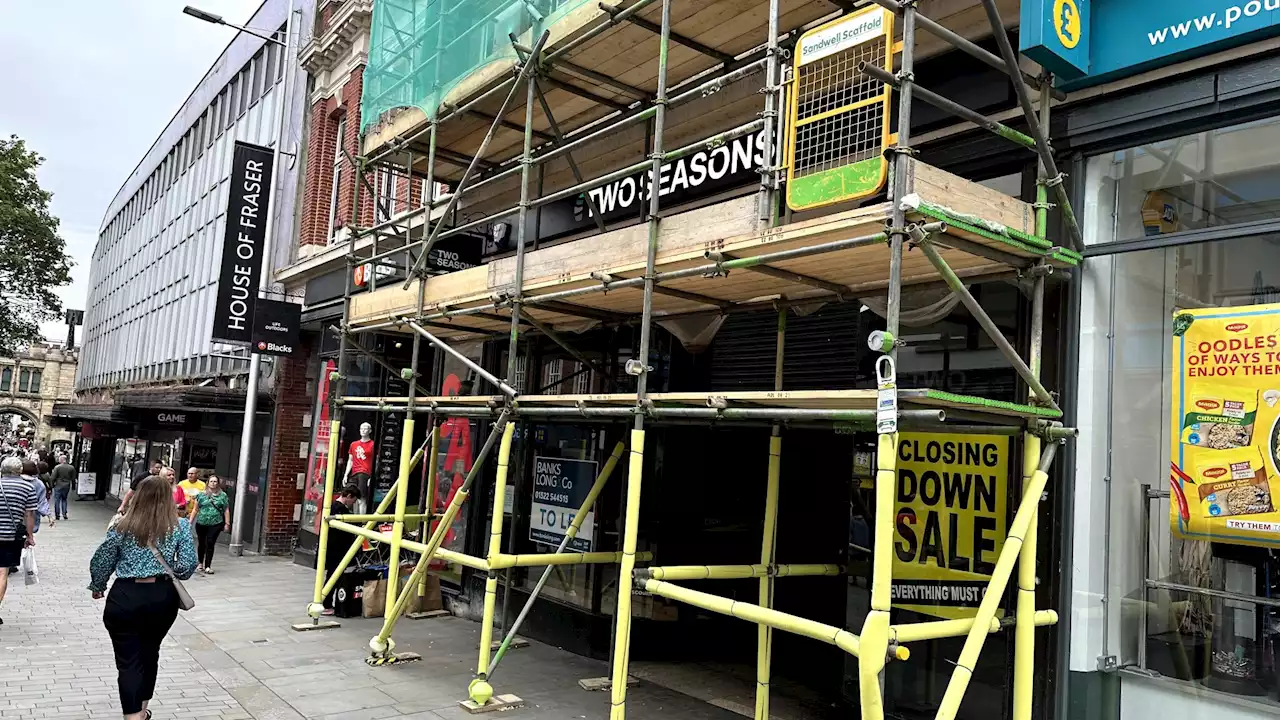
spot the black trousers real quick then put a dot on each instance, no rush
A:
(138, 616)
(331, 562)
(206, 541)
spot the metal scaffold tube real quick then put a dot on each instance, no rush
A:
(479, 689)
(1025, 631)
(639, 366)
(1043, 149)
(769, 531)
(1022, 519)
(829, 634)
(381, 644)
(526, 71)
(402, 481)
(605, 473)
(875, 628)
(937, 629)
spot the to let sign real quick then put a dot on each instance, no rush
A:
(248, 202)
(560, 486)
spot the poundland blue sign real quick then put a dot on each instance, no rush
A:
(1123, 37)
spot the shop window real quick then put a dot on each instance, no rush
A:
(460, 439)
(1182, 580)
(1219, 177)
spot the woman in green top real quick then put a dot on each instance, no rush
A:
(211, 517)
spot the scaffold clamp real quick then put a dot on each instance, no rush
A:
(637, 368)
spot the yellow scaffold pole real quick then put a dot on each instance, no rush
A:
(769, 535)
(330, 471)
(369, 523)
(479, 689)
(875, 629)
(630, 530)
(551, 560)
(995, 589)
(433, 463)
(397, 527)
(381, 644)
(1024, 635)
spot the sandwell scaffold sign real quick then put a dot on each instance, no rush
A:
(839, 117)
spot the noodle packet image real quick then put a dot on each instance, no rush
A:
(1234, 482)
(1221, 420)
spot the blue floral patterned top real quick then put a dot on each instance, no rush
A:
(120, 554)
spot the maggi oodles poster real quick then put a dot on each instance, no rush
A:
(1224, 470)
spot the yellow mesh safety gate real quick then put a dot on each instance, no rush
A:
(839, 116)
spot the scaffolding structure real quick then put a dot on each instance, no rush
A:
(938, 236)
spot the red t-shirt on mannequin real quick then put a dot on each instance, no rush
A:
(362, 457)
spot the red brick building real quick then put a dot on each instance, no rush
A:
(334, 60)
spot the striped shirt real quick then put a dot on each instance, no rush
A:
(17, 496)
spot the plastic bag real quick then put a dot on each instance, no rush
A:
(30, 570)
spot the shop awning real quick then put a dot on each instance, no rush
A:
(204, 399)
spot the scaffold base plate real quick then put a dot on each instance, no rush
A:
(516, 643)
(307, 626)
(396, 659)
(596, 684)
(495, 704)
(427, 615)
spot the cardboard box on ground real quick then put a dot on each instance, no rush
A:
(375, 595)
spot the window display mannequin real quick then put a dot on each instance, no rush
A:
(360, 464)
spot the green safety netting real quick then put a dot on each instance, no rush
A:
(421, 49)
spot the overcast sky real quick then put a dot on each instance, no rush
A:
(90, 84)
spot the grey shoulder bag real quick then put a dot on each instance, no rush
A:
(185, 601)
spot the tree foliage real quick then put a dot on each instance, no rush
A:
(33, 258)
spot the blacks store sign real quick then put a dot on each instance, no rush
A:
(276, 327)
(248, 203)
(709, 171)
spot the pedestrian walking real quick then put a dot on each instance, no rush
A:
(31, 473)
(179, 497)
(210, 511)
(64, 476)
(192, 486)
(342, 504)
(17, 519)
(148, 544)
(142, 472)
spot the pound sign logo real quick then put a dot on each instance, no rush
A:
(1066, 22)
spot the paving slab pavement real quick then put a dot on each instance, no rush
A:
(234, 656)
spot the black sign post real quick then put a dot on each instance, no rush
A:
(276, 327)
(246, 229)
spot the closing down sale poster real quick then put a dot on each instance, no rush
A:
(1225, 441)
(950, 522)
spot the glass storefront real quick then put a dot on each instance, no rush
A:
(1190, 620)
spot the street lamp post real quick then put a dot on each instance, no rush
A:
(264, 280)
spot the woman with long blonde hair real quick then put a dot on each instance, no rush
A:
(144, 548)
